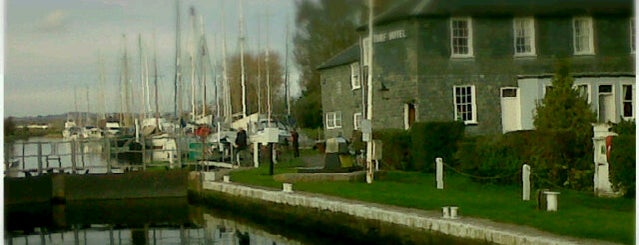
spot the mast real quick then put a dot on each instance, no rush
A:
(268, 74)
(242, 60)
(259, 67)
(88, 122)
(177, 97)
(75, 102)
(142, 112)
(286, 85)
(204, 54)
(192, 54)
(226, 88)
(369, 107)
(155, 82)
(127, 97)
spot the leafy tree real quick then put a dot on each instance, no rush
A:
(566, 117)
(563, 107)
(9, 126)
(256, 81)
(323, 29)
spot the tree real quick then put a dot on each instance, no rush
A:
(323, 29)
(9, 126)
(564, 119)
(563, 108)
(256, 82)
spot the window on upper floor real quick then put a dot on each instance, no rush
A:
(627, 99)
(524, 36)
(583, 36)
(461, 37)
(632, 35)
(334, 120)
(357, 120)
(355, 82)
(465, 105)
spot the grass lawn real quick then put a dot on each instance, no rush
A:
(579, 214)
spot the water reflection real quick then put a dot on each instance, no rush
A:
(137, 221)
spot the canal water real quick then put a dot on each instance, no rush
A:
(159, 221)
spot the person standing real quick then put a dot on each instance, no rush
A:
(240, 144)
(296, 144)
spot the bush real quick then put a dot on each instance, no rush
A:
(557, 158)
(395, 149)
(624, 127)
(622, 164)
(432, 140)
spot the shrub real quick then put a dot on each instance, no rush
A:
(434, 139)
(622, 164)
(395, 149)
(557, 158)
(624, 127)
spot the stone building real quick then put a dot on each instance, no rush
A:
(484, 62)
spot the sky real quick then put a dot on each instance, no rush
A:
(53, 50)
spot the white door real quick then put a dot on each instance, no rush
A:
(606, 104)
(510, 109)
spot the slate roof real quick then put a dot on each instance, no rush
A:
(347, 56)
(424, 8)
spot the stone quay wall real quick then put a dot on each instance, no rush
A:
(464, 227)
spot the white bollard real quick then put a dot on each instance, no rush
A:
(256, 154)
(551, 200)
(209, 176)
(446, 212)
(440, 173)
(453, 212)
(287, 187)
(227, 179)
(525, 177)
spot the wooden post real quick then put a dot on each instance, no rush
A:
(39, 158)
(107, 147)
(73, 156)
(270, 150)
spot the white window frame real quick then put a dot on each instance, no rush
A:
(631, 101)
(357, 120)
(472, 103)
(588, 93)
(526, 27)
(584, 30)
(469, 38)
(334, 120)
(632, 35)
(365, 50)
(356, 82)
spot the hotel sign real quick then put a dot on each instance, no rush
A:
(389, 36)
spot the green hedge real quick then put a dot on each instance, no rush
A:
(395, 149)
(558, 158)
(622, 164)
(432, 140)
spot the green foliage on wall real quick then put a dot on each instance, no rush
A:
(623, 164)
(431, 140)
(396, 148)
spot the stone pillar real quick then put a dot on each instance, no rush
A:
(525, 177)
(440, 173)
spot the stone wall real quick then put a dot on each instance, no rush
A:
(431, 221)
